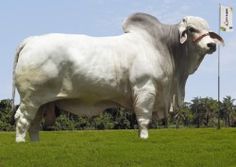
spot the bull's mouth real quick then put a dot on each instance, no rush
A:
(207, 51)
(210, 51)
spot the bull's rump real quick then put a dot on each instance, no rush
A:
(60, 66)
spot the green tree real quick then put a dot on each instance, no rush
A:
(210, 108)
(6, 115)
(204, 111)
(228, 110)
(183, 115)
(197, 108)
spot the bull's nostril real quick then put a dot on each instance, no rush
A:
(212, 46)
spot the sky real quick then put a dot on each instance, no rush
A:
(20, 19)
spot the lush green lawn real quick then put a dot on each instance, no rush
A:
(164, 148)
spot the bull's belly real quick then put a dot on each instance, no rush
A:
(82, 108)
(89, 99)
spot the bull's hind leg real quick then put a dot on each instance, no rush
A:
(35, 125)
(48, 112)
(24, 115)
(143, 106)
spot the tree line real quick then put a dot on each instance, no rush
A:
(200, 112)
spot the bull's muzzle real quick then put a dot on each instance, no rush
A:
(212, 47)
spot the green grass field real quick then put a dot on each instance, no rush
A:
(123, 148)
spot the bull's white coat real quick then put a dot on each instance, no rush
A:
(85, 75)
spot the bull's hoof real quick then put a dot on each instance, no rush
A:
(143, 134)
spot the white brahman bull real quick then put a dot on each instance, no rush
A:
(141, 69)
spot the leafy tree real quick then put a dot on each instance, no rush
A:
(183, 115)
(204, 111)
(228, 110)
(196, 108)
(210, 111)
(6, 115)
(103, 121)
(63, 123)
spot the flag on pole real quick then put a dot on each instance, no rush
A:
(226, 18)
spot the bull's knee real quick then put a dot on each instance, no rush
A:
(144, 97)
(144, 116)
(143, 127)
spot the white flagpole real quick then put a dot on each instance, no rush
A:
(219, 106)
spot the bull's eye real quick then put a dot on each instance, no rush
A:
(192, 30)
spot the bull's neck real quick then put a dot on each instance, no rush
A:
(180, 60)
(178, 51)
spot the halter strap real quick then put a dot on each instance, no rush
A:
(200, 37)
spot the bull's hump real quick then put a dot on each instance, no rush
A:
(141, 21)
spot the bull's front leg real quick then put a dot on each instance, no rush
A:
(144, 99)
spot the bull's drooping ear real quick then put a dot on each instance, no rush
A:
(218, 39)
(183, 31)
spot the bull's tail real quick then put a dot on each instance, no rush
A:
(18, 50)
